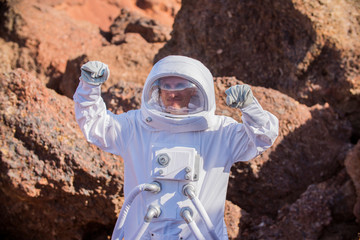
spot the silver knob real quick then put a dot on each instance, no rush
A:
(163, 159)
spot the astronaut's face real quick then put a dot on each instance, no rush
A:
(176, 93)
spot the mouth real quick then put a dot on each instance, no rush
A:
(175, 99)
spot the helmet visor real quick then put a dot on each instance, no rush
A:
(175, 95)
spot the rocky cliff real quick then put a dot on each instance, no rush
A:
(301, 58)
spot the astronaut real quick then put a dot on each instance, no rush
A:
(177, 153)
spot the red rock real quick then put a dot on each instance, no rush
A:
(311, 216)
(47, 46)
(128, 22)
(233, 216)
(352, 164)
(306, 50)
(123, 96)
(311, 147)
(50, 37)
(52, 181)
(103, 13)
(130, 62)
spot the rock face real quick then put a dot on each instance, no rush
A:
(308, 216)
(298, 157)
(279, 190)
(128, 62)
(301, 58)
(52, 181)
(149, 29)
(352, 164)
(305, 49)
(44, 45)
(45, 48)
(103, 12)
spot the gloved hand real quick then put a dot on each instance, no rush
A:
(95, 72)
(239, 96)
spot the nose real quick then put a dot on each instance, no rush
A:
(172, 94)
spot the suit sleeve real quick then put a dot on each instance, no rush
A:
(99, 126)
(257, 133)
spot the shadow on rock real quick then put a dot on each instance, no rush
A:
(282, 44)
(310, 154)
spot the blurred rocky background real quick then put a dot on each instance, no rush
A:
(301, 57)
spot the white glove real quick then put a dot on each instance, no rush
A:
(239, 96)
(95, 72)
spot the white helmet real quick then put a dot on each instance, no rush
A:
(178, 95)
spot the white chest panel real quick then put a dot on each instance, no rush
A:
(173, 167)
(177, 164)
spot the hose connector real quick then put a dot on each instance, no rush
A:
(189, 191)
(154, 187)
(186, 213)
(152, 212)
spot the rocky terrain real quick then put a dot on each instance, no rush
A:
(301, 58)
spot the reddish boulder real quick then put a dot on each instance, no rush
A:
(48, 36)
(149, 29)
(352, 164)
(314, 215)
(54, 185)
(103, 12)
(45, 48)
(123, 96)
(163, 11)
(308, 50)
(311, 148)
(9, 55)
(129, 62)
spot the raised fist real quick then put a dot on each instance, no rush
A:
(239, 96)
(95, 72)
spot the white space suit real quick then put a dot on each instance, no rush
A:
(139, 136)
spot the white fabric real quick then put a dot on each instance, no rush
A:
(219, 140)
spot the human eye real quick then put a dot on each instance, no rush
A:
(181, 86)
(166, 86)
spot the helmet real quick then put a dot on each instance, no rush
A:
(173, 95)
(178, 95)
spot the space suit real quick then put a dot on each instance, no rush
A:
(187, 151)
